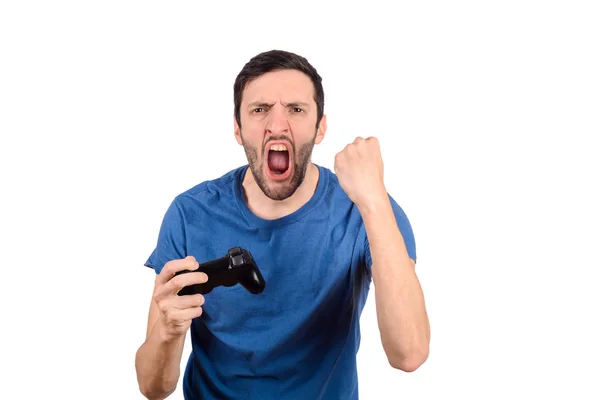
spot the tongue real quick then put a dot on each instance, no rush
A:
(278, 161)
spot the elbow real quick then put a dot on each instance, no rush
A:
(409, 362)
(153, 387)
(156, 389)
(153, 393)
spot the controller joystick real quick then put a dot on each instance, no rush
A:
(237, 266)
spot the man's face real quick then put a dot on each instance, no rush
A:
(278, 116)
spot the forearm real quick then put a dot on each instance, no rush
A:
(157, 364)
(399, 300)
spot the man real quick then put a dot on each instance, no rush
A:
(318, 239)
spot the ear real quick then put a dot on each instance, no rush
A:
(321, 130)
(236, 131)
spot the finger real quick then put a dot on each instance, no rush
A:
(188, 301)
(181, 281)
(174, 266)
(189, 313)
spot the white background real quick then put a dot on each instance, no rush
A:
(488, 115)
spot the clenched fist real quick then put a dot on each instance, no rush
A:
(359, 168)
(177, 312)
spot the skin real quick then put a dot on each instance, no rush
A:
(157, 360)
(280, 106)
(399, 301)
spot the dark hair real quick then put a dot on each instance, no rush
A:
(275, 60)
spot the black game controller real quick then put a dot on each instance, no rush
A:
(237, 266)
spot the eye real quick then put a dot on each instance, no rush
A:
(258, 109)
(297, 110)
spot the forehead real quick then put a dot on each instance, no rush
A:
(287, 85)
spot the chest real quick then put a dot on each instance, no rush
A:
(309, 266)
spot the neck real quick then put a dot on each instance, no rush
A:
(266, 208)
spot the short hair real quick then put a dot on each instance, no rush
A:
(275, 60)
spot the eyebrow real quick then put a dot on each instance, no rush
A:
(259, 104)
(292, 104)
(296, 104)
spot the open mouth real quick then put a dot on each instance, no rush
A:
(278, 160)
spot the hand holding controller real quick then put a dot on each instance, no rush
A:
(237, 266)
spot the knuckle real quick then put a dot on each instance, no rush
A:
(169, 265)
(173, 317)
(163, 308)
(191, 262)
(157, 297)
(174, 282)
(169, 269)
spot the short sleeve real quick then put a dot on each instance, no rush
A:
(405, 229)
(171, 239)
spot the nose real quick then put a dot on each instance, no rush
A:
(278, 122)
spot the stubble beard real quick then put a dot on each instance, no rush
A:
(281, 191)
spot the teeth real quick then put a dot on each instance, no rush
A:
(278, 147)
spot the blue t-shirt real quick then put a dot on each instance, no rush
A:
(299, 338)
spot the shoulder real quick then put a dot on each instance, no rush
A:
(210, 191)
(207, 195)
